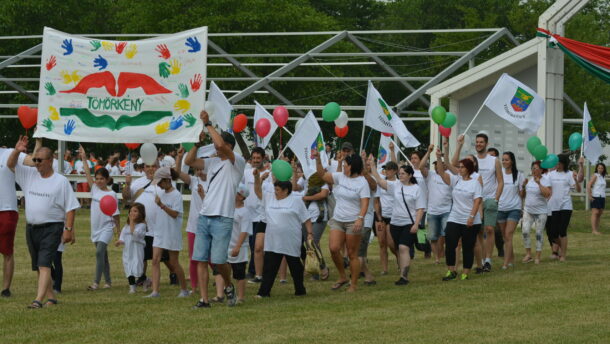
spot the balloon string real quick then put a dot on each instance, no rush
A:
(280, 140)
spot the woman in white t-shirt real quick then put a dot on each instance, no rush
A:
(536, 191)
(409, 205)
(352, 194)
(596, 188)
(464, 219)
(385, 203)
(509, 205)
(284, 215)
(562, 181)
(168, 230)
(102, 226)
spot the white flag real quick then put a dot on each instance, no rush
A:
(206, 151)
(307, 139)
(260, 112)
(592, 146)
(407, 139)
(383, 154)
(517, 103)
(377, 114)
(222, 113)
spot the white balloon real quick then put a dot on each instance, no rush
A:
(299, 122)
(148, 152)
(342, 120)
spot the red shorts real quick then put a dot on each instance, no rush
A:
(82, 187)
(8, 227)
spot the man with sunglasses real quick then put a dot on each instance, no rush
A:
(50, 210)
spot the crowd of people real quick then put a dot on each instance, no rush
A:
(245, 226)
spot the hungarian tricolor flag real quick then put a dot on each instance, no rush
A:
(594, 59)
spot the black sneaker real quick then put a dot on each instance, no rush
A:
(487, 267)
(230, 295)
(173, 279)
(451, 275)
(6, 293)
(479, 271)
(401, 281)
(201, 304)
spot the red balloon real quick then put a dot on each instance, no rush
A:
(280, 115)
(27, 116)
(446, 132)
(341, 132)
(108, 205)
(387, 134)
(239, 123)
(132, 146)
(262, 127)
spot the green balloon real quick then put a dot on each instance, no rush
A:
(450, 120)
(550, 161)
(438, 114)
(331, 111)
(540, 152)
(281, 170)
(532, 143)
(575, 141)
(187, 146)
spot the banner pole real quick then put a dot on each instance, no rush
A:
(473, 118)
(401, 152)
(362, 136)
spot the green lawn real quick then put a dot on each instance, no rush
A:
(549, 303)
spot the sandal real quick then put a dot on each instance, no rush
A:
(217, 299)
(527, 259)
(339, 285)
(51, 302)
(324, 276)
(35, 305)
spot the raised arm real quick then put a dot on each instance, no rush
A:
(178, 168)
(191, 157)
(219, 143)
(448, 164)
(366, 172)
(393, 153)
(458, 150)
(380, 181)
(424, 161)
(28, 159)
(295, 177)
(20, 147)
(440, 170)
(581, 168)
(327, 177)
(258, 183)
(83, 157)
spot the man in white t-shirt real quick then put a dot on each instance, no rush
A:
(490, 171)
(216, 217)
(50, 209)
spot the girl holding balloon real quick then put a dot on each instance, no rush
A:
(104, 219)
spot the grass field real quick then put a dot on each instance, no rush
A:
(549, 303)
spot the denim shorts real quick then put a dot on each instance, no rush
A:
(436, 226)
(509, 215)
(212, 239)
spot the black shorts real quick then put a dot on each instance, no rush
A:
(259, 227)
(239, 271)
(402, 235)
(148, 250)
(43, 241)
(598, 203)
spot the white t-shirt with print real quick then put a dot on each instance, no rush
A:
(168, 230)
(412, 196)
(102, 225)
(284, 222)
(535, 203)
(562, 183)
(223, 179)
(439, 194)
(386, 198)
(348, 192)
(421, 182)
(254, 205)
(464, 193)
(242, 223)
(46, 199)
(599, 187)
(147, 199)
(510, 198)
(487, 170)
(8, 196)
(196, 203)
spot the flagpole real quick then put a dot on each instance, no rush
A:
(400, 151)
(362, 136)
(473, 118)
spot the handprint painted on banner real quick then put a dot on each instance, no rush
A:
(162, 128)
(75, 77)
(100, 62)
(50, 89)
(163, 51)
(51, 62)
(182, 105)
(184, 91)
(54, 114)
(65, 76)
(48, 124)
(95, 44)
(120, 46)
(164, 69)
(108, 46)
(193, 44)
(69, 127)
(67, 46)
(190, 119)
(175, 123)
(131, 51)
(176, 66)
(196, 82)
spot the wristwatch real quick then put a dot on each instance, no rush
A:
(207, 124)
(69, 229)
(360, 217)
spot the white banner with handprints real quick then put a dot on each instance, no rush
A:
(149, 90)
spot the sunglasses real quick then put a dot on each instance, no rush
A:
(38, 160)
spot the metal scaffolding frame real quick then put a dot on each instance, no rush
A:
(262, 83)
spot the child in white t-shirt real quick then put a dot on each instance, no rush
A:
(238, 246)
(132, 237)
